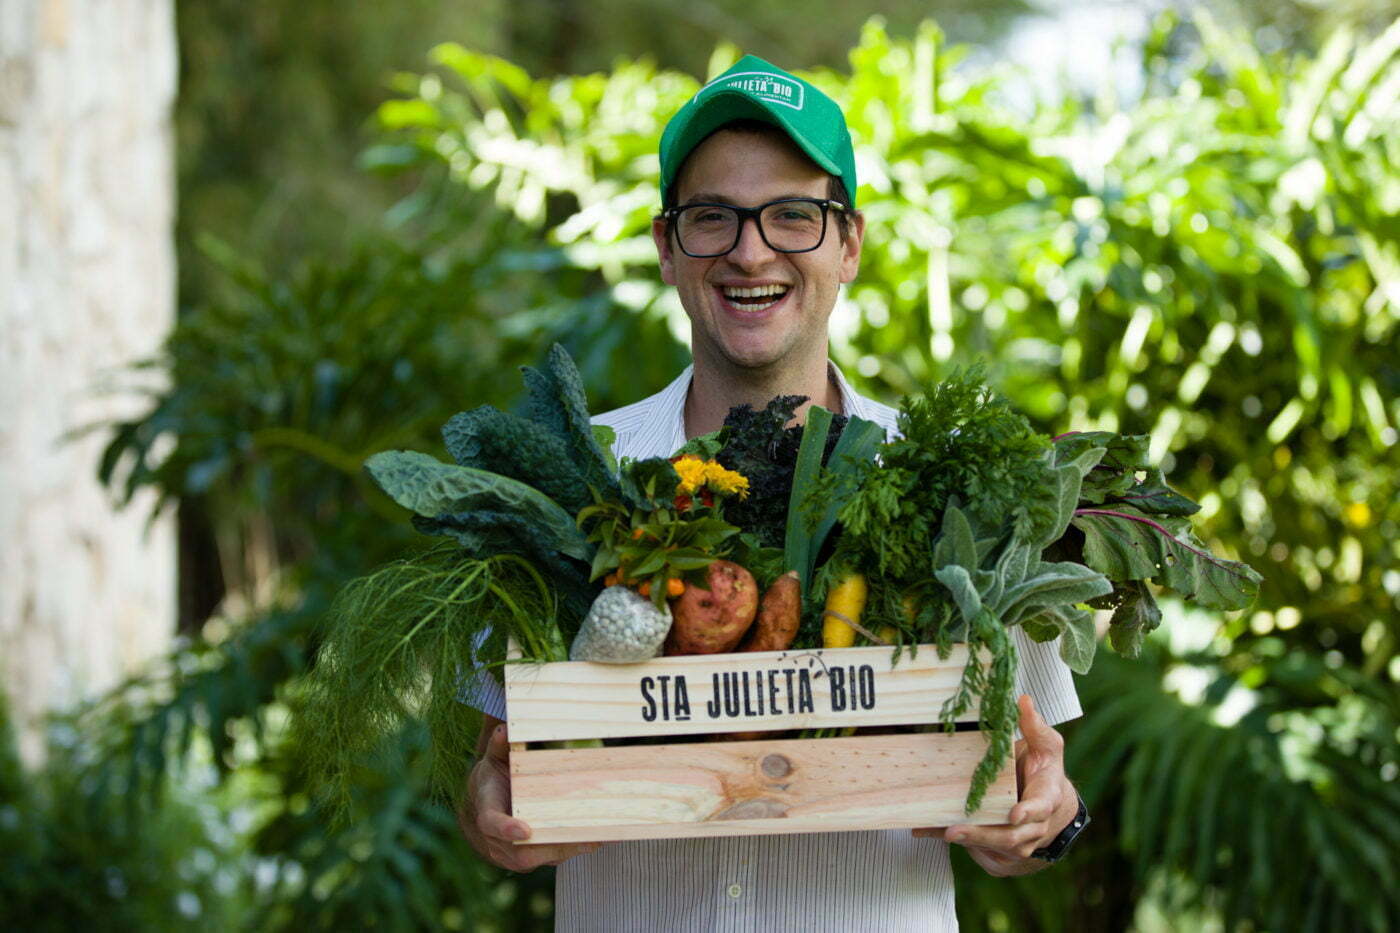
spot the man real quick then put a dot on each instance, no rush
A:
(758, 233)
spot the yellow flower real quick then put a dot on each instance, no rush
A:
(691, 470)
(696, 474)
(726, 482)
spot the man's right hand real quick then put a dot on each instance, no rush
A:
(484, 815)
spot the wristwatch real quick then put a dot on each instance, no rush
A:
(1058, 846)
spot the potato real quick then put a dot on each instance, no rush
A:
(714, 618)
(779, 616)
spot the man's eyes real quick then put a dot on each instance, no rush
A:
(776, 213)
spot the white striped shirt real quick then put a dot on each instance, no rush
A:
(877, 880)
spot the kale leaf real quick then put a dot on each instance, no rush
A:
(760, 445)
(555, 400)
(439, 491)
(489, 439)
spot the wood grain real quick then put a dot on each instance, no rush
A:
(758, 691)
(753, 788)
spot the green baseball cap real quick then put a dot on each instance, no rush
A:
(755, 90)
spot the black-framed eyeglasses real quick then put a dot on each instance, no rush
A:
(789, 225)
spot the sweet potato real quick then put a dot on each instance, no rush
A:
(779, 616)
(714, 618)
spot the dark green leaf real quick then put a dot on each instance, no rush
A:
(1134, 618)
(1124, 544)
(431, 488)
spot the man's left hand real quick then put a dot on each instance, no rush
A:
(1047, 804)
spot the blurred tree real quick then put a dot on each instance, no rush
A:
(1303, 24)
(74, 854)
(273, 96)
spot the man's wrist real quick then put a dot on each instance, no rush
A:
(1055, 849)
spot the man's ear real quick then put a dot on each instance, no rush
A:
(664, 253)
(850, 247)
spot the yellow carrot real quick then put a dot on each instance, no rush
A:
(844, 603)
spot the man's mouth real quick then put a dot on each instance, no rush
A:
(757, 298)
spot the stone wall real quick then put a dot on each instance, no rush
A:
(87, 280)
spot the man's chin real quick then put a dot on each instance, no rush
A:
(754, 361)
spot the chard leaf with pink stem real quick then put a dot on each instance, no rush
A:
(1125, 544)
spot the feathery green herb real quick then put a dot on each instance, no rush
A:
(397, 649)
(401, 643)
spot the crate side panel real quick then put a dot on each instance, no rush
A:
(749, 788)
(759, 691)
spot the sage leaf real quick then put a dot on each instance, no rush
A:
(1068, 479)
(1075, 629)
(959, 583)
(1078, 639)
(955, 544)
(1052, 584)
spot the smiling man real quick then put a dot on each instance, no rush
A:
(758, 251)
(758, 233)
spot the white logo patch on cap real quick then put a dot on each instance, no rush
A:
(770, 87)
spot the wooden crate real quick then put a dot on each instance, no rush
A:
(732, 788)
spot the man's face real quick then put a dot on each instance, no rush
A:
(788, 326)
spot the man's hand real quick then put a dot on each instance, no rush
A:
(484, 815)
(1047, 804)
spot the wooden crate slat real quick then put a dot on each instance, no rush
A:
(748, 788)
(773, 690)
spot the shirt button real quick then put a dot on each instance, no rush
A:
(734, 890)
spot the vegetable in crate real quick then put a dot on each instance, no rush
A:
(622, 627)
(762, 445)
(396, 641)
(667, 526)
(781, 461)
(844, 604)
(971, 522)
(779, 616)
(712, 617)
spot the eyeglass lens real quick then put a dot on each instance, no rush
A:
(789, 226)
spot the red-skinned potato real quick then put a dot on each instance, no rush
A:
(713, 619)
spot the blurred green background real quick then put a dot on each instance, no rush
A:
(384, 209)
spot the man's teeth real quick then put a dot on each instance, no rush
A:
(756, 298)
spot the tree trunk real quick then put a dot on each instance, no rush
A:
(87, 277)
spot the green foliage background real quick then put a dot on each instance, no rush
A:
(1215, 262)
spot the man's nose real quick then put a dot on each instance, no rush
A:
(751, 248)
